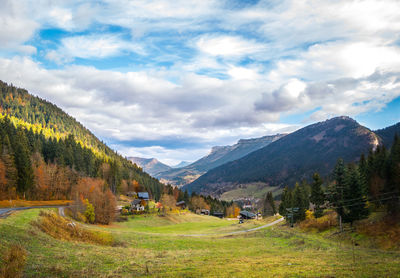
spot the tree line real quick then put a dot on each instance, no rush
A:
(353, 190)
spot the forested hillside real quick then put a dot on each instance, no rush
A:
(387, 134)
(45, 153)
(294, 157)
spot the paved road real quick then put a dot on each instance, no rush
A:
(4, 212)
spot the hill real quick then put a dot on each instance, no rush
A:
(292, 158)
(387, 134)
(35, 130)
(150, 165)
(219, 155)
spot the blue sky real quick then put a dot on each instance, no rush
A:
(171, 79)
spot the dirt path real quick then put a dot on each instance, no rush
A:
(239, 232)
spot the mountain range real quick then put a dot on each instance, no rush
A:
(296, 156)
(219, 155)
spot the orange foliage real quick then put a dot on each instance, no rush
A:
(101, 198)
(136, 186)
(52, 182)
(198, 202)
(233, 211)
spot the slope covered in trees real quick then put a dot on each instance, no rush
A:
(219, 155)
(43, 147)
(387, 134)
(294, 157)
(354, 190)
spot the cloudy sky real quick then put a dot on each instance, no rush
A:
(170, 79)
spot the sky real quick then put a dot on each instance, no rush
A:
(171, 79)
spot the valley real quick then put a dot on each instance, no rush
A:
(152, 246)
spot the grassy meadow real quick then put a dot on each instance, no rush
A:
(169, 246)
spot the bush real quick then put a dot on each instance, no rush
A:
(13, 262)
(323, 223)
(89, 213)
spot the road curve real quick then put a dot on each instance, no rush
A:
(4, 212)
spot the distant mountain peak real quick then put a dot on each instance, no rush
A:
(218, 155)
(150, 165)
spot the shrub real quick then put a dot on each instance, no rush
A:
(60, 228)
(323, 223)
(89, 213)
(13, 262)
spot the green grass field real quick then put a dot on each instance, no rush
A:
(155, 246)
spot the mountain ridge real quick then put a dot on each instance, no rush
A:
(295, 156)
(216, 157)
(150, 165)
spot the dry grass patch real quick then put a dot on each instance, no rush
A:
(13, 262)
(329, 220)
(63, 229)
(384, 232)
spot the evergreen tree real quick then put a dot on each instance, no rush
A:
(25, 179)
(355, 204)
(337, 189)
(317, 195)
(286, 201)
(301, 201)
(392, 185)
(269, 205)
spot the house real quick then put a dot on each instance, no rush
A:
(218, 214)
(204, 212)
(143, 196)
(136, 205)
(247, 214)
(181, 204)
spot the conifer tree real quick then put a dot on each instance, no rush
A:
(25, 179)
(317, 195)
(337, 190)
(355, 203)
(286, 201)
(392, 185)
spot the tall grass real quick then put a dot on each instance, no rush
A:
(63, 229)
(320, 224)
(13, 262)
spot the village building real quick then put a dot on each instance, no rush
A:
(143, 196)
(136, 205)
(181, 204)
(218, 214)
(247, 214)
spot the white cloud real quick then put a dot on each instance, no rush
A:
(228, 46)
(92, 46)
(16, 26)
(235, 71)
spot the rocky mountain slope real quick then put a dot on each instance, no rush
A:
(150, 165)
